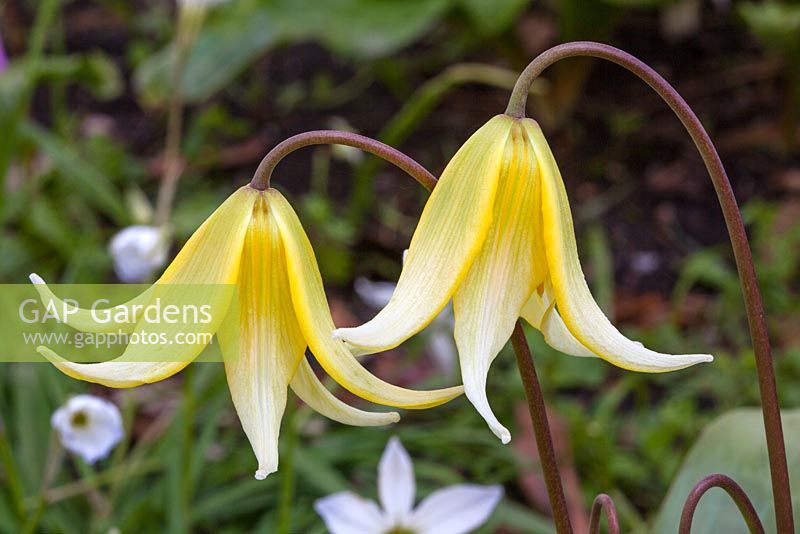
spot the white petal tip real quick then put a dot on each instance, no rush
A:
(505, 436)
(393, 417)
(338, 333)
(261, 474)
(501, 432)
(693, 359)
(35, 279)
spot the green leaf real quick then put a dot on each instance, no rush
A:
(363, 28)
(491, 18)
(733, 445)
(94, 71)
(776, 25)
(81, 175)
(241, 34)
(224, 49)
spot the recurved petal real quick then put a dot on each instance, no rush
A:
(209, 257)
(308, 387)
(85, 320)
(262, 343)
(540, 312)
(577, 307)
(210, 262)
(115, 374)
(313, 314)
(450, 233)
(489, 301)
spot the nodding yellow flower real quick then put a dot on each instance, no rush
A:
(496, 236)
(255, 241)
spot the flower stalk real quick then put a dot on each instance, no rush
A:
(190, 19)
(603, 504)
(733, 219)
(541, 429)
(734, 491)
(263, 173)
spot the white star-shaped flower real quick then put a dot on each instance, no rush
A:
(88, 426)
(457, 509)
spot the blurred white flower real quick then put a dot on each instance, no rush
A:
(681, 20)
(88, 426)
(453, 510)
(138, 251)
(199, 4)
(439, 341)
(350, 154)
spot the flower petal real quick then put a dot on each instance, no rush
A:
(449, 235)
(262, 344)
(317, 325)
(85, 320)
(210, 260)
(210, 256)
(540, 312)
(456, 510)
(114, 374)
(581, 314)
(308, 387)
(396, 484)
(347, 513)
(488, 302)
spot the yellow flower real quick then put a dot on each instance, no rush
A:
(255, 242)
(496, 236)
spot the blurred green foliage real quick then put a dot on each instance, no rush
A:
(186, 465)
(733, 444)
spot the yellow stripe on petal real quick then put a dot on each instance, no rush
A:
(314, 316)
(210, 262)
(308, 387)
(262, 343)
(450, 233)
(540, 312)
(574, 301)
(488, 302)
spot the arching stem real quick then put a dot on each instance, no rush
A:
(603, 503)
(733, 219)
(263, 173)
(737, 495)
(541, 431)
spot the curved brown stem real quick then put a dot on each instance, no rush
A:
(541, 430)
(770, 406)
(603, 503)
(334, 137)
(737, 495)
